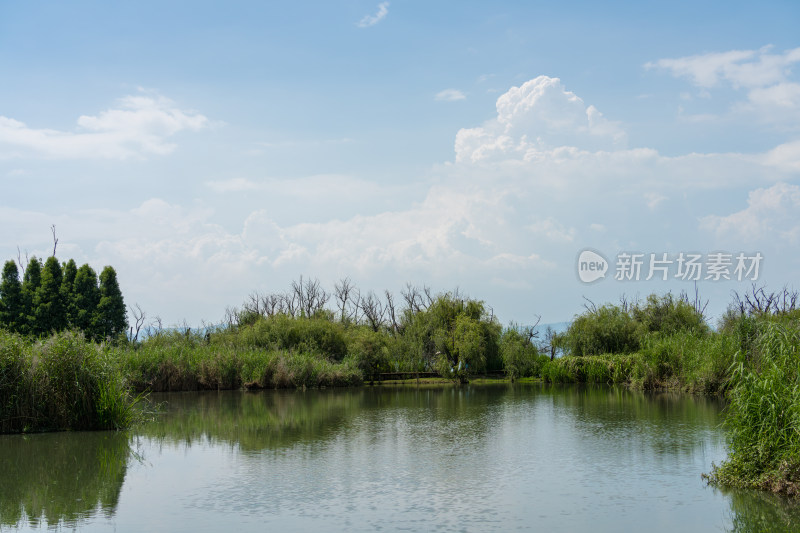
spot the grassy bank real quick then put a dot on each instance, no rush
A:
(764, 415)
(186, 362)
(62, 382)
(683, 361)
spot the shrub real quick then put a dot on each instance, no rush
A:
(608, 329)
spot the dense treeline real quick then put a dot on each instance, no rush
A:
(295, 339)
(52, 297)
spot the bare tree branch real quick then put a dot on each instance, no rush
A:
(55, 239)
(139, 317)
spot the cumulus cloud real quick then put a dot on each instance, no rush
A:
(450, 95)
(371, 20)
(785, 156)
(541, 178)
(537, 116)
(770, 212)
(139, 125)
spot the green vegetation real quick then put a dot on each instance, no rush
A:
(295, 340)
(53, 297)
(754, 358)
(764, 415)
(62, 382)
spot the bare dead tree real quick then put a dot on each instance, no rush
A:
(22, 266)
(589, 305)
(390, 311)
(231, 317)
(697, 303)
(354, 308)
(759, 301)
(270, 304)
(155, 328)
(298, 296)
(412, 297)
(623, 302)
(314, 297)
(550, 341)
(290, 303)
(531, 332)
(373, 310)
(343, 292)
(55, 239)
(139, 317)
(253, 303)
(429, 297)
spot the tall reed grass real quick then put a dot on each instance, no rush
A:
(181, 362)
(763, 418)
(62, 382)
(680, 361)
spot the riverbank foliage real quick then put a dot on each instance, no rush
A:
(62, 382)
(753, 357)
(307, 337)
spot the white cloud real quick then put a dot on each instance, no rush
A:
(706, 70)
(140, 125)
(653, 199)
(599, 228)
(785, 157)
(450, 95)
(553, 230)
(544, 177)
(770, 213)
(371, 20)
(234, 185)
(771, 94)
(537, 116)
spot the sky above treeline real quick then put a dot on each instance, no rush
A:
(208, 150)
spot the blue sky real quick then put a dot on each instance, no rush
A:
(207, 150)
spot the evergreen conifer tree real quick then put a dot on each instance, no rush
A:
(11, 308)
(85, 297)
(70, 270)
(30, 284)
(110, 320)
(49, 308)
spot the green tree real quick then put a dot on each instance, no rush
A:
(519, 354)
(453, 334)
(70, 270)
(85, 298)
(12, 316)
(49, 308)
(607, 329)
(110, 319)
(30, 284)
(668, 315)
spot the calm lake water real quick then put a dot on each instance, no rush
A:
(473, 458)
